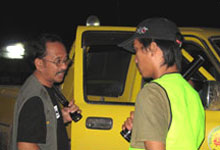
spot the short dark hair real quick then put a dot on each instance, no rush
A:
(171, 51)
(37, 47)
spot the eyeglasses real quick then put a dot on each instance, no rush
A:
(59, 62)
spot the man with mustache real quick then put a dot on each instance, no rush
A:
(39, 122)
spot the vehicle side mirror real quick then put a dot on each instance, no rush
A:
(210, 95)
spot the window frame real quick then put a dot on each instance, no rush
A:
(113, 102)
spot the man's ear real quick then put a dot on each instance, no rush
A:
(153, 47)
(38, 63)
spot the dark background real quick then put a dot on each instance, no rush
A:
(23, 20)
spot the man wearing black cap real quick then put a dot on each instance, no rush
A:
(168, 111)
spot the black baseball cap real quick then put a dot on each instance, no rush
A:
(153, 28)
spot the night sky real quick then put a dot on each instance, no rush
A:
(22, 21)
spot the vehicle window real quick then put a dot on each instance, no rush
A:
(14, 68)
(194, 50)
(106, 64)
(106, 70)
(216, 43)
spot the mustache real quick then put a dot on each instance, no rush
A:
(62, 71)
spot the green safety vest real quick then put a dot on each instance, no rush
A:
(187, 127)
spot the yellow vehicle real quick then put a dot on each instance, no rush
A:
(104, 82)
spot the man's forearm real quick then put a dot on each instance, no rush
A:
(27, 146)
(154, 145)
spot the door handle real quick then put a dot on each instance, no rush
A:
(100, 123)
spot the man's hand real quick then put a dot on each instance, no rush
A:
(72, 107)
(128, 124)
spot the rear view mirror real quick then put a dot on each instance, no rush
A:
(210, 95)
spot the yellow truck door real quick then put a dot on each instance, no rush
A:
(106, 82)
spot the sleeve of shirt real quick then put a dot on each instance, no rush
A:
(151, 114)
(32, 122)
